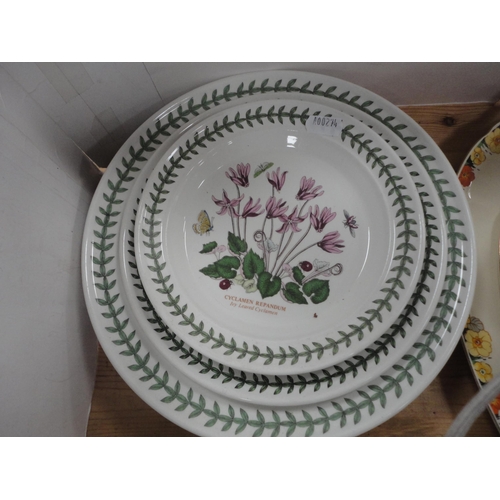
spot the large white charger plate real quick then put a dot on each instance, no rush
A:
(480, 176)
(204, 412)
(289, 294)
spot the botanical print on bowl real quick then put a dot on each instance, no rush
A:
(272, 259)
(488, 146)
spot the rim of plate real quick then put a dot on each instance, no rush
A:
(372, 406)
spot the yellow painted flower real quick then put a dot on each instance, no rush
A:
(493, 140)
(483, 371)
(477, 156)
(478, 343)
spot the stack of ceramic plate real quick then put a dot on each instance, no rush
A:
(279, 253)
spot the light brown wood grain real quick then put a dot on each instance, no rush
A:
(455, 127)
(118, 411)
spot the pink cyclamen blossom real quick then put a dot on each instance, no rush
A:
(240, 175)
(307, 190)
(276, 179)
(291, 221)
(227, 204)
(320, 219)
(275, 208)
(251, 209)
(331, 243)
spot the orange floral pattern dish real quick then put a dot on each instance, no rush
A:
(480, 178)
(478, 344)
(487, 146)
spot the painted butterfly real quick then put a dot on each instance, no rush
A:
(350, 222)
(204, 224)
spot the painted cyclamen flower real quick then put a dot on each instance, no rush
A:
(307, 190)
(320, 219)
(240, 176)
(276, 179)
(251, 209)
(275, 208)
(291, 221)
(227, 204)
(331, 243)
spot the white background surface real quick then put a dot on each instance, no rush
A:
(99, 104)
(48, 350)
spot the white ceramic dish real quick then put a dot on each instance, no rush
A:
(480, 176)
(275, 283)
(179, 397)
(239, 385)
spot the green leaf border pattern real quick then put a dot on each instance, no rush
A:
(404, 240)
(341, 371)
(439, 323)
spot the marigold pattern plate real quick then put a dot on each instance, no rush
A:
(480, 177)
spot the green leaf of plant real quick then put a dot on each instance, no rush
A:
(208, 247)
(318, 290)
(267, 285)
(236, 244)
(298, 275)
(211, 271)
(293, 294)
(227, 266)
(252, 265)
